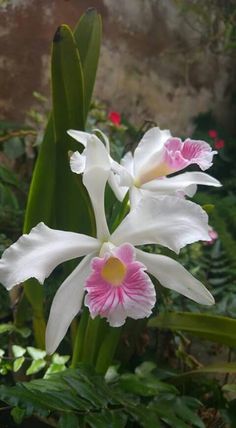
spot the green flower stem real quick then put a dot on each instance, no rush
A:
(79, 340)
(91, 340)
(107, 349)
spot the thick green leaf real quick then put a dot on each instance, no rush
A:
(39, 204)
(88, 39)
(72, 205)
(52, 177)
(212, 368)
(211, 327)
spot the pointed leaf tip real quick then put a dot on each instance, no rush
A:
(57, 36)
(91, 10)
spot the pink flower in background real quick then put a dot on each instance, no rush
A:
(213, 133)
(118, 287)
(219, 144)
(115, 117)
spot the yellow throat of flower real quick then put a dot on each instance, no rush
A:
(114, 271)
(155, 172)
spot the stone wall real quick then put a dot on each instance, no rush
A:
(152, 66)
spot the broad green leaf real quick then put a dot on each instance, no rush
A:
(68, 420)
(18, 351)
(211, 327)
(88, 34)
(18, 363)
(146, 418)
(148, 386)
(72, 205)
(40, 198)
(56, 196)
(212, 368)
(36, 366)
(107, 418)
(36, 353)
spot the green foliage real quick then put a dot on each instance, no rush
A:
(81, 393)
(31, 361)
(215, 328)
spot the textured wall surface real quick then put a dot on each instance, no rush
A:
(152, 65)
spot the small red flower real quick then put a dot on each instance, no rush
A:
(219, 144)
(114, 117)
(212, 133)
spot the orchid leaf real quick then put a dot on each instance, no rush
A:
(56, 197)
(88, 39)
(72, 206)
(211, 327)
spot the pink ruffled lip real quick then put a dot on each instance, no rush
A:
(118, 287)
(179, 155)
(175, 156)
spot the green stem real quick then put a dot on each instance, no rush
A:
(79, 340)
(91, 340)
(107, 349)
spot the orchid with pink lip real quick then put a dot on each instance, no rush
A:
(113, 272)
(157, 156)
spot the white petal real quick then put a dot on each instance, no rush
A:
(77, 163)
(136, 194)
(97, 171)
(80, 136)
(114, 182)
(66, 304)
(167, 220)
(151, 143)
(182, 182)
(174, 276)
(125, 177)
(36, 255)
(128, 162)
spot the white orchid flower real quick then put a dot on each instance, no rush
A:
(113, 272)
(158, 155)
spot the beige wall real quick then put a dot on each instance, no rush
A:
(152, 66)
